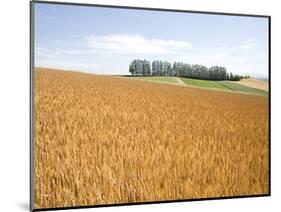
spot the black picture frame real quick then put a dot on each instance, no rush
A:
(31, 106)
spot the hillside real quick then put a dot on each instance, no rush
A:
(254, 83)
(110, 140)
(243, 86)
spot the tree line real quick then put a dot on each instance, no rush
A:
(179, 69)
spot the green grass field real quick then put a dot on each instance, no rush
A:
(242, 88)
(158, 79)
(207, 84)
(204, 83)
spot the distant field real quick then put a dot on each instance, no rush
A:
(242, 88)
(204, 83)
(224, 85)
(158, 79)
(208, 84)
(254, 83)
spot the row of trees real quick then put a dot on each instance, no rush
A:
(179, 69)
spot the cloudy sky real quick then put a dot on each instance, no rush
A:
(105, 41)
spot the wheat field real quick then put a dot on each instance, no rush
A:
(109, 140)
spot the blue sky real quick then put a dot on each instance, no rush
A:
(105, 40)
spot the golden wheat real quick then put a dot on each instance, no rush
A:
(108, 140)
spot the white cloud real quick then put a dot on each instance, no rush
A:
(63, 59)
(65, 65)
(127, 44)
(93, 53)
(249, 44)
